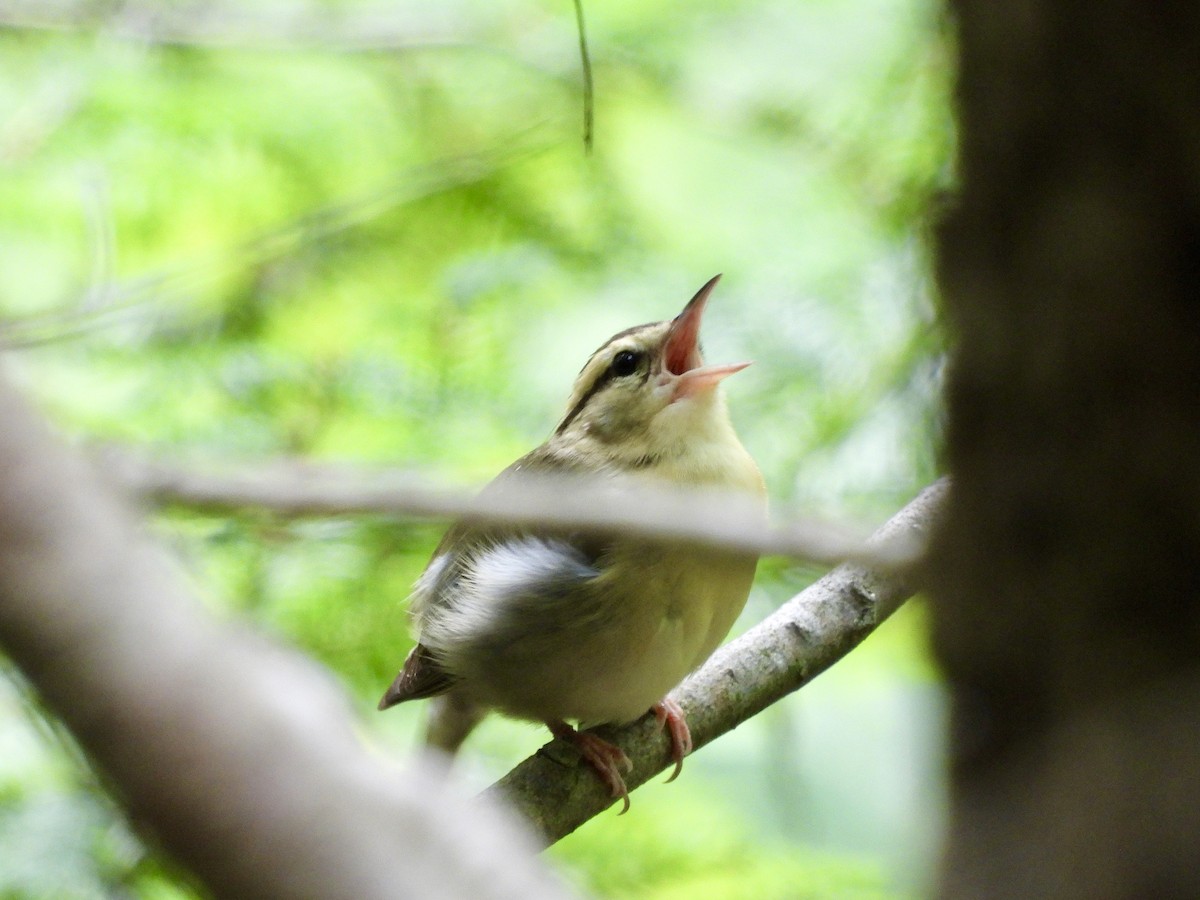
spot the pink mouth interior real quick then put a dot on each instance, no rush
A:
(681, 359)
(682, 352)
(683, 345)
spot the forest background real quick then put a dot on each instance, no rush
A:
(371, 233)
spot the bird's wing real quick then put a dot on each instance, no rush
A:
(511, 589)
(465, 542)
(436, 603)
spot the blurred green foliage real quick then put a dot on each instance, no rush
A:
(377, 238)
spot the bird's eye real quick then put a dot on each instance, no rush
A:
(625, 363)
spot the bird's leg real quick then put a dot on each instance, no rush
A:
(669, 713)
(607, 759)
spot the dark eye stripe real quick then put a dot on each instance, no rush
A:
(605, 377)
(602, 381)
(616, 337)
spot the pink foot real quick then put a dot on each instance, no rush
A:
(607, 759)
(670, 713)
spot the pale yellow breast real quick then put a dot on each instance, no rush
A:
(672, 607)
(687, 608)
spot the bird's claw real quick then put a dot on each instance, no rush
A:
(670, 714)
(606, 758)
(609, 760)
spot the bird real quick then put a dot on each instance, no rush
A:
(554, 626)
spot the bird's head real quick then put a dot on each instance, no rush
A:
(646, 395)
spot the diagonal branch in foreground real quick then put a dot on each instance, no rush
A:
(237, 755)
(781, 654)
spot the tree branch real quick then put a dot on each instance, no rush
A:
(303, 489)
(239, 756)
(784, 652)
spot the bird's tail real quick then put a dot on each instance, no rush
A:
(450, 719)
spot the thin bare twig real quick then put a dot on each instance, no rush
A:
(781, 654)
(295, 489)
(585, 60)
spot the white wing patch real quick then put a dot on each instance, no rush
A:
(496, 580)
(524, 566)
(422, 592)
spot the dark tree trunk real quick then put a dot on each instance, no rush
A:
(1067, 595)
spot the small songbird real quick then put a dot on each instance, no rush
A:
(551, 625)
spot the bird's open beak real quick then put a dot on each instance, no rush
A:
(681, 353)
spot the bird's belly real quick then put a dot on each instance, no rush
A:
(638, 677)
(615, 670)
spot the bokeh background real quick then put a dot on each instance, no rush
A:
(370, 232)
